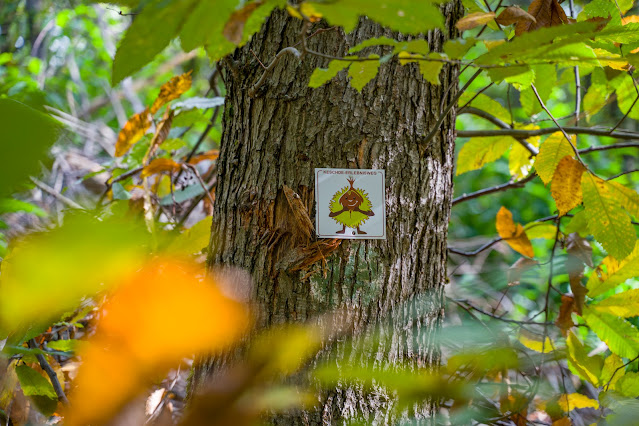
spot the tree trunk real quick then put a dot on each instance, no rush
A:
(278, 137)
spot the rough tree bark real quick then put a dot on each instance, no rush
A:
(275, 140)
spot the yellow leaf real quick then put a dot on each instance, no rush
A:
(520, 160)
(479, 151)
(611, 60)
(544, 230)
(612, 272)
(309, 11)
(554, 148)
(132, 132)
(628, 198)
(545, 346)
(512, 233)
(566, 184)
(474, 19)
(613, 364)
(160, 165)
(587, 367)
(407, 57)
(625, 304)
(607, 221)
(164, 312)
(571, 401)
(173, 89)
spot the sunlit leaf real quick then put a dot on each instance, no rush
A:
(613, 272)
(624, 305)
(628, 385)
(477, 152)
(321, 76)
(566, 184)
(611, 371)
(173, 89)
(132, 132)
(512, 233)
(587, 367)
(194, 239)
(621, 337)
(552, 150)
(544, 230)
(540, 346)
(572, 401)
(607, 221)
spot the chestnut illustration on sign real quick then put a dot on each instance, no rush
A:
(350, 207)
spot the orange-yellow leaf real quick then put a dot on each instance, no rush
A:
(514, 14)
(474, 20)
(132, 132)
(160, 165)
(164, 312)
(512, 233)
(208, 155)
(173, 89)
(566, 184)
(162, 131)
(554, 148)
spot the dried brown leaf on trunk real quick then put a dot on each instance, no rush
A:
(474, 20)
(234, 27)
(303, 221)
(173, 89)
(518, 268)
(514, 14)
(547, 13)
(132, 132)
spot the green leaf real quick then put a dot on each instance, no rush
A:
(517, 73)
(182, 195)
(194, 239)
(628, 385)
(431, 69)
(626, 95)
(33, 383)
(8, 205)
(621, 337)
(612, 370)
(479, 151)
(27, 135)
(628, 198)
(578, 223)
(529, 102)
(45, 275)
(363, 72)
(376, 41)
(608, 222)
(404, 16)
(617, 273)
(586, 367)
(624, 304)
(321, 76)
(205, 26)
(413, 46)
(151, 31)
(119, 193)
(486, 103)
(552, 150)
(457, 48)
(63, 345)
(595, 99)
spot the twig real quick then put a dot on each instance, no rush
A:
(631, 106)
(496, 121)
(46, 188)
(258, 59)
(502, 187)
(574, 148)
(54, 377)
(291, 50)
(450, 106)
(477, 251)
(199, 178)
(475, 96)
(526, 133)
(109, 185)
(608, 147)
(119, 12)
(619, 368)
(497, 317)
(623, 173)
(577, 94)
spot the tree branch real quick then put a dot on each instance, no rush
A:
(502, 187)
(54, 377)
(46, 188)
(525, 133)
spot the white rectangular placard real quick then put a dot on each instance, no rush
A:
(350, 203)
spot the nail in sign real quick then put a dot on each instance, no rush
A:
(350, 203)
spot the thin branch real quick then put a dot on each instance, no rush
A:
(450, 106)
(577, 94)
(496, 121)
(631, 106)
(497, 317)
(476, 94)
(291, 50)
(54, 377)
(574, 148)
(524, 133)
(608, 147)
(477, 251)
(109, 183)
(46, 188)
(497, 188)
(623, 173)
(619, 368)
(199, 178)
